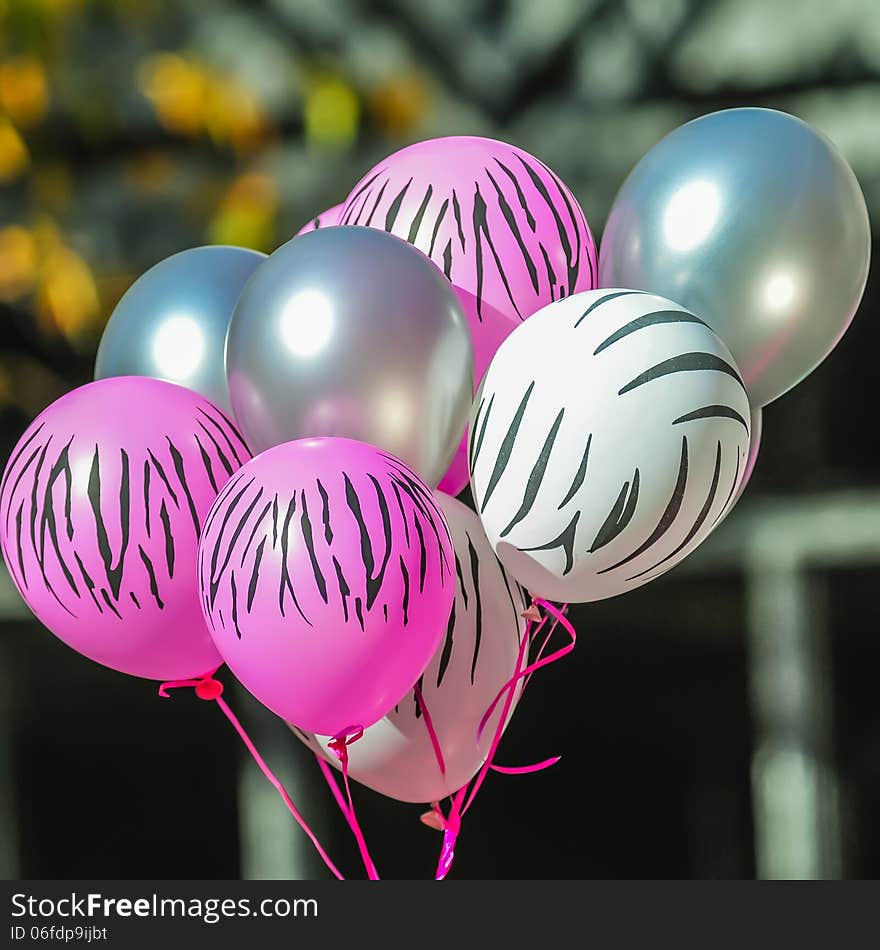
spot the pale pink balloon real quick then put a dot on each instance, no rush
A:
(477, 656)
(101, 508)
(327, 576)
(326, 219)
(501, 225)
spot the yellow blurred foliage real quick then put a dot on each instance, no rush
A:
(246, 213)
(191, 98)
(400, 104)
(47, 235)
(234, 115)
(24, 90)
(37, 261)
(332, 112)
(253, 188)
(67, 298)
(243, 228)
(18, 262)
(178, 90)
(14, 155)
(59, 7)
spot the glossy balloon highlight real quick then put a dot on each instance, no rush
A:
(755, 221)
(171, 324)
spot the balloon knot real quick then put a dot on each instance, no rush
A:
(209, 689)
(532, 613)
(206, 687)
(433, 820)
(340, 742)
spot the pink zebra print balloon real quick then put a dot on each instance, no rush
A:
(327, 577)
(326, 219)
(101, 507)
(477, 656)
(504, 228)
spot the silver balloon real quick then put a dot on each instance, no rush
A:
(352, 332)
(754, 221)
(171, 323)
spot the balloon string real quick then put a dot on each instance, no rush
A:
(329, 778)
(429, 725)
(525, 769)
(176, 684)
(451, 829)
(339, 745)
(530, 635)
(546, 763)
(463, 798)
(559, 618)
(327, 772)
(451, 823)
(543, 646)
(208, 688)
(477, 783)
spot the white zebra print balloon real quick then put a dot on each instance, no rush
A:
(757, 425)
(608, 438)
(478, 655)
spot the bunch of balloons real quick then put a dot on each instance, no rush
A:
(449, 322)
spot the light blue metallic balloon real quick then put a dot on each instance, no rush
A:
(754, 221)
(171, 323)
(352, 332)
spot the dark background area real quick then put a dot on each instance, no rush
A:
(130, 130)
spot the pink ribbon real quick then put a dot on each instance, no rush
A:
(429, 725)
(211, 690)
(464, 797)
(339, 746)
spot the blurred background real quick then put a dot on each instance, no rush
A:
(723, 721)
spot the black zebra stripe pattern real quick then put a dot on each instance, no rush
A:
(278, 546)
(503, 227)
(333, 559)
(608, 439)
(101, 512)
(476, 657)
